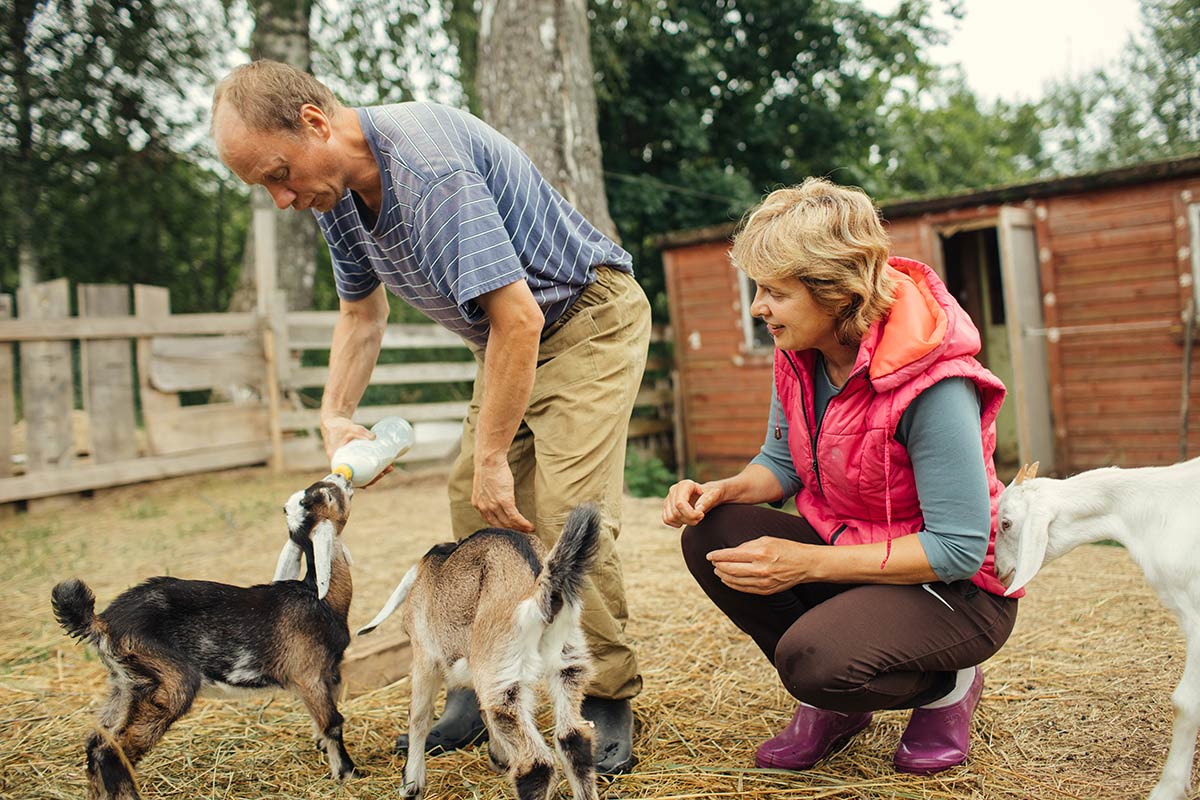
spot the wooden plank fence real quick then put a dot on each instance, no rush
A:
(115, 415)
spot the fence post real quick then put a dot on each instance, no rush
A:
(106, 374)
(269, 316)
(6, 394)
(47, 380)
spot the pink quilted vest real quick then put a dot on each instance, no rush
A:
(858, 480)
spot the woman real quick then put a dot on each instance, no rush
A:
(883, 428)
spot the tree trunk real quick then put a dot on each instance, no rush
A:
(281, 34)
(18, 34)
(535, 82)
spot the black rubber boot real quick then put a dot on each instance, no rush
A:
(460, 725)
(613, 721)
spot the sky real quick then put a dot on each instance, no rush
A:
(1010, 48)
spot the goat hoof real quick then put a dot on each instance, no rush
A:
(495, 764)
(412, 790)
(352, 774)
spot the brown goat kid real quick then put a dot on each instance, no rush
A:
(494, 612)
(167, 639)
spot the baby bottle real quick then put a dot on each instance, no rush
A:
(361, 460)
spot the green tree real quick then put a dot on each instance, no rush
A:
(939, 137)
(705, 104)
(94, 114)
(1145, 107)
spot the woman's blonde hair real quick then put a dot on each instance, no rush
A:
(267, 95)
(831, 239)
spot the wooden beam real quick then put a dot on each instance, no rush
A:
(98, 476)
(375, 661)
(7, 406)
(310, 418)
(107, 376)
(22, 330)
(47, 379)
(444, 372)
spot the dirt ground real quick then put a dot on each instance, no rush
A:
(1077, 705)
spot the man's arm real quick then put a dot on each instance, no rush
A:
(357, 337)
(509, 362)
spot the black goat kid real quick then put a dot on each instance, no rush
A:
(166, 639)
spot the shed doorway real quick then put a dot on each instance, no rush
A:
(991, 268)
(972, 260)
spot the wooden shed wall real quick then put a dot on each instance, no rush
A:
(1112, 262)
(1111, 266)
(725, 390)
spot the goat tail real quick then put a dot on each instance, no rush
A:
(398, 596)
(569, 561)
(75, 609)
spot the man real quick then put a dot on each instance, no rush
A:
(432, 204)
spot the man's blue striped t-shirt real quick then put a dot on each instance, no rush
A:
(464, 211)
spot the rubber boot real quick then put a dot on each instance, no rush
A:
(460, 725)
(939, 738)
(613, 723)
(812, 734)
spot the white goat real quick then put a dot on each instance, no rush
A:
(495, 612)
(1155, 513)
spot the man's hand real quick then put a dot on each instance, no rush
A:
(765, 565)
(493, 496)
(687, 501)
(336, 431)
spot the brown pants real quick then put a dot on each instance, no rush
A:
(851, 647)
(570, 449)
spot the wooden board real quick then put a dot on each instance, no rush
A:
(136, 470)
(107, 376)
(180, 364)
(47, 381)
(375, 661)
(215, 424)
(7, 410)
(152, 304)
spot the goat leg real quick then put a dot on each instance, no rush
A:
(425, 682)
(318, 697)
(1177, 772)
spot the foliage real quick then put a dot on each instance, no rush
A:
(939, 137)
(705, 105)
(646, 475)
(94, 108)
(1145, 107)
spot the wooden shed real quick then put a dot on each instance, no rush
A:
(1081, 287)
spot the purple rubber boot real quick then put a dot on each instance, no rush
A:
(939, 738)
(812, 734)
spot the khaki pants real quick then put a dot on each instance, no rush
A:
(570, 449)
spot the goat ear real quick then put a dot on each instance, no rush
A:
(1033, 468)
(323, 535)
(1031, 549)
(288, 566)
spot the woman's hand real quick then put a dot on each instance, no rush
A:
(765, 565)
(687, 501)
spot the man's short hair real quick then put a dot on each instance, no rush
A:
(267, 95)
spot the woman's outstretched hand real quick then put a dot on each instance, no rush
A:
(765, 565)
(688, 501)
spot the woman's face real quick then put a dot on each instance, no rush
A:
(793, 319)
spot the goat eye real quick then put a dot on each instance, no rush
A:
(1005, 524)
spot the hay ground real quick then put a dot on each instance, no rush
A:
(1077, 705)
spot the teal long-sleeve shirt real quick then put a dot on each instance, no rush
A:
(940, 430)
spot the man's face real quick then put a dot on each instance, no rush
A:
(300, 170)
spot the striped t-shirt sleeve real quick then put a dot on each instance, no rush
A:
(459, 237)
(353, 275)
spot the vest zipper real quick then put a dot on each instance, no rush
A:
(840, 530)
(807, 421)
